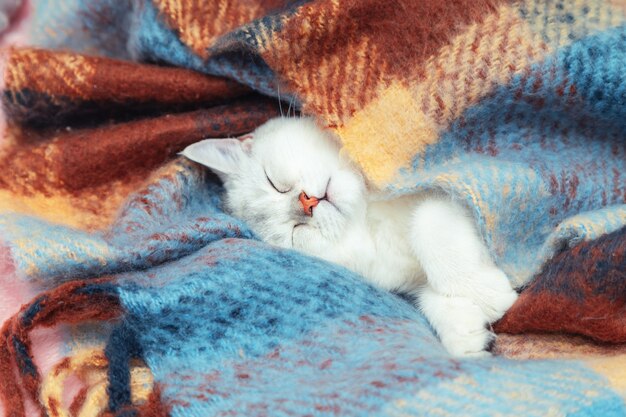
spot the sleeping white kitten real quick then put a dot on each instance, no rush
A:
(292, 186)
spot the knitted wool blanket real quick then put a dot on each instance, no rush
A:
(126, 290)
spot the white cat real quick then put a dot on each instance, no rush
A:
(290, 183)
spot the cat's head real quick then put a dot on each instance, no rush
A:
(288, 181)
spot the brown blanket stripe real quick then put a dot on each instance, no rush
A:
(75, 160)
(582, 291)
(79, 84)
(84, 132)
(337, 70)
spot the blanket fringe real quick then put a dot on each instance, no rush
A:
(71, 303)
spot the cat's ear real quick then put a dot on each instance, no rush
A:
(223, 156)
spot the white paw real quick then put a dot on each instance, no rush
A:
(465, 333)
(459, 322)
(492, 291)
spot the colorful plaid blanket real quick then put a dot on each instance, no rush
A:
(126, 290)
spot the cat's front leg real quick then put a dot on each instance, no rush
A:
(465, 290)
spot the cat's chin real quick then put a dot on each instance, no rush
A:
(308, 239)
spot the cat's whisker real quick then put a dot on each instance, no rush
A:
(293, 98)
(280, 105)
(291, 101)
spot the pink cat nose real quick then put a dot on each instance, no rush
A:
(308, 203)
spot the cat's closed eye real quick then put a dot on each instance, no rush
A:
(274, 186)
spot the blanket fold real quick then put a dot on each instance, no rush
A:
(163, 304)
(85, 89)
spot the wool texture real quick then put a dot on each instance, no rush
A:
(173, 308)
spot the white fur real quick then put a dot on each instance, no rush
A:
(427, 244)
